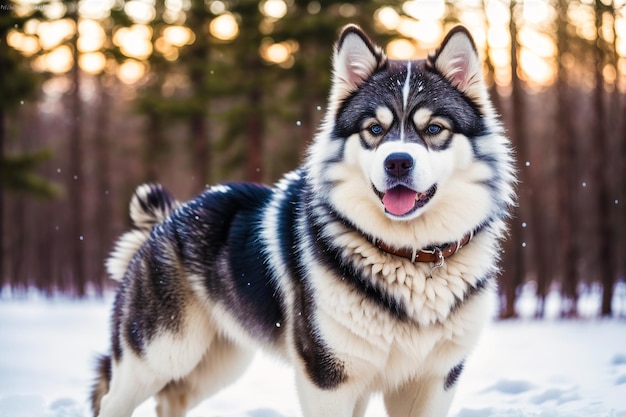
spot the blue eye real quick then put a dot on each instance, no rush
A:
(376, 129)
(433, 129)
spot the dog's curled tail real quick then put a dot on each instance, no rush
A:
(150, 205)
(101, 385)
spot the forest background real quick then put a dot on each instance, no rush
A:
(99, 96)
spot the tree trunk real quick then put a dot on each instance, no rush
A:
(155, 146)
(198, 123)
(254, 159)
(566, 160)
(103, 186)
(602, 174)
(511, 260)
(2, 230)
(76, 234)
(514, 251)
(199, 135)
(622, 201)
(619, 144)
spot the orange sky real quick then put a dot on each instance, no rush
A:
(421, 27)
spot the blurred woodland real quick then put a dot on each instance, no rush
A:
(99, 96)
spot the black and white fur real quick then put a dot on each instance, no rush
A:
(409, 153)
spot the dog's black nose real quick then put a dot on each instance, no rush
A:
(398, 164)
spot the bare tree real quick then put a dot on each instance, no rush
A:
(566, 159)
(602, 170)
(76, 235)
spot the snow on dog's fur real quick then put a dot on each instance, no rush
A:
(369, 269)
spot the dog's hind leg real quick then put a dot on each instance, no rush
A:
(132, 383)
(221, 365)
(135, 379)
(169, 355)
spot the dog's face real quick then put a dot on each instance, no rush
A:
(410, 137)
(406, 120)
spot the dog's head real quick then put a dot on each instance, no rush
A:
(409, 140)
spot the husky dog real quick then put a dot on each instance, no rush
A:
(369, 269)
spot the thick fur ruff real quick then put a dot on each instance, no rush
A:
(410, 153)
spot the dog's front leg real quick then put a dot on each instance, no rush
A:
(340, 401)
(424, 397)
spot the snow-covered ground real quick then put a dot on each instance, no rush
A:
(521, 368)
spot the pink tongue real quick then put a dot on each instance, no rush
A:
(399, 200)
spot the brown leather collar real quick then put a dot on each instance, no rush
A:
(437, 254)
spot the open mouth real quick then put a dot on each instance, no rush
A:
(401, 201)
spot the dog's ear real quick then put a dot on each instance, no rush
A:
(457, 59)
(356, 59)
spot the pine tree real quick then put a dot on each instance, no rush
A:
(17, 85)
